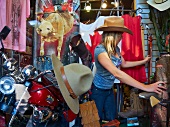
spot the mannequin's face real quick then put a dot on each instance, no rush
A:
(119, 37)
(113, 37)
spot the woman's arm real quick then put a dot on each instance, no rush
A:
(125, 78)
(126, 64)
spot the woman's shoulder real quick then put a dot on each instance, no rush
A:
(99, 49)
(100, 46)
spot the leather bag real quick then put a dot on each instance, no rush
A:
(89, 114)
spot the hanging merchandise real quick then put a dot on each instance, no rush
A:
(52, 30)
(58, 19)
(17, 12)
(73, 57)
(44, 63)
(2, 13)
(91, 38)
(70, 88)
(132, 49)
(161, 5)
(80, 48)
(25, 60)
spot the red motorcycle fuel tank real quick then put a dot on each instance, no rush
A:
(41, 96)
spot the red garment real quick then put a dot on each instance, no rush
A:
(95, 39)
(132, 49)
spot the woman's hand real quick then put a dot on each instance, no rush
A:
(147, 59)
(157, 87)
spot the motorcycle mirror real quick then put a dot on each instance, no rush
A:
(4, 32)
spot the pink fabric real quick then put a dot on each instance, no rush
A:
(2, 14)
(24, 12)
(8, 41)
(132, 49)
(3, 20)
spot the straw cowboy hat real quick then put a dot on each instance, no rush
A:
(73, 80)
(161, 5)
(114, 23)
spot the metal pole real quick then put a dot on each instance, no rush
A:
(35, 39)
(110, 10)
(99, 12)
(117, 7)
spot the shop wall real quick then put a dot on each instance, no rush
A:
(146, 21)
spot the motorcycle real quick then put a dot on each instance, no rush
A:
(47, 101)
(41, 89)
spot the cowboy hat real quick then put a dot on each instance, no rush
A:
(114, 23)
(161, 5)
(73, 80)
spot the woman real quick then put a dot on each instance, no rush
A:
(107, 60)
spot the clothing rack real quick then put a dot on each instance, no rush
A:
(131, 11)
(113, 9)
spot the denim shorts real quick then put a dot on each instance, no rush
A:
(105, 102)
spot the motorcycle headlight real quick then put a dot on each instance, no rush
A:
(10, 64)
(7, 85)
(29, 71)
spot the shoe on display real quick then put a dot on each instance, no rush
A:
(136, 108)
(131, 113)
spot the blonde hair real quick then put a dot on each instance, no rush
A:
(110, 41)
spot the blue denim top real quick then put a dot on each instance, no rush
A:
(103, 79)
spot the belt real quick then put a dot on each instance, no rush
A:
(93, 86)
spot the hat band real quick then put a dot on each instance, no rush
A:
(72, 94)
(160, 1)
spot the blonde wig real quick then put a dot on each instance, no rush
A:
(110, 41)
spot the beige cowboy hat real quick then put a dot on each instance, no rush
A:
(73, 80)
(161, 5)
(114, 23)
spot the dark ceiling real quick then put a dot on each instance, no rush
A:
(89, 17)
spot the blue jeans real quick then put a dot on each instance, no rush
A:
(105, 102)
